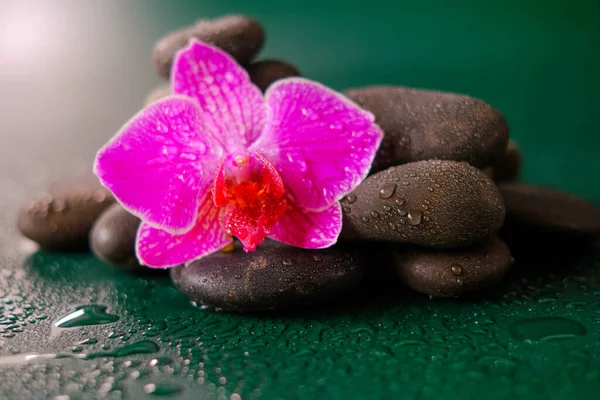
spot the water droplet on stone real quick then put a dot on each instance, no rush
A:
(456, 269)
(387, 190)
(346, 210)
(414, 217)
(375, 214)
(351, 198)
(387, 208)
(400, 202)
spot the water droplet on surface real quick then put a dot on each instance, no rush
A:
(375, 214)
(141, 347)
(387, 190)
(387, 208)
(351, 198)
(158, 361)
(346, 210)
(456, 269)
(162, 390)
(400, 202)
(546, 328)
(86, 315)
(415, 217)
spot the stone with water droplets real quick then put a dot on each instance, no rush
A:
(158, 93)
(538, 208)
(451, 273)
(423, 125)
(274, 276)
(62, 218)
(443, 204)
(240, 36)
(263, 73)
(508, 166)
(112, 238)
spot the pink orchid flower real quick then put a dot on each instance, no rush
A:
(219, 159)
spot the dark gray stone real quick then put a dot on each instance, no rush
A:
(274, 276)
(531, 207)
(240, 36)
(439, 204)
(112, 238)
(426, 125)
(452, 273)
(61, 219)
(263, 73)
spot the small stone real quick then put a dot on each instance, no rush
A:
(112, 238)
(546, 209)
(274, 276)
(455, 272)
(158, 93)
(508, 167)
(62, 218)
(463, 207)
(424, 125)
(238, 35)
(265, 72)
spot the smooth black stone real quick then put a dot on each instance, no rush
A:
(240, 36)
(263, 73)
(453, 273)
(272, 277)
(508, 167)
(426, 125)
(62, 218)
(438, 204)
(550, 210)
(112, 238)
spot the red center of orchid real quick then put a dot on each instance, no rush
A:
(252, 190)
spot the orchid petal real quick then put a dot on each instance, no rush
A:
(233, 105)
(157, 248)
(160, 163)
(321, 143)
(308, 229)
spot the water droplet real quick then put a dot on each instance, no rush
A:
(86, 315)
(375, 214)
(351, 198)
(158, 361)
(365, 219)
(162, 390)
(346, 210)
(89, 341)
(387, 190)
(141, 347)
(386, 207)
(400, 202)
(456, 269)
(414, 217)
(546, 328)
(402, 213)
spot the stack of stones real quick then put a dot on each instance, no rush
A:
(429, 214)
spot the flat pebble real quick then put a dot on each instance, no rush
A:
(424, 125)
(61, 219)
(240, 36)
(452, 273)
(274, 276)
(508, 167)
(547, 209)
(439, 204)
(263, 73)
(112, 238)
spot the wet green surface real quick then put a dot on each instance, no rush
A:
(72, 72)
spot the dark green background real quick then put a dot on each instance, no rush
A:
(71, 72)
